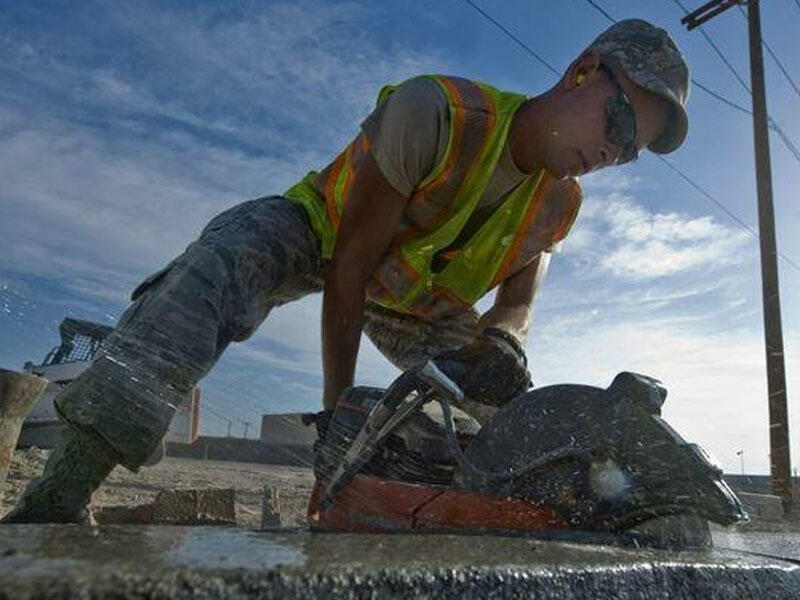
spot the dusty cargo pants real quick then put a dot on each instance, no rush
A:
(248, 260)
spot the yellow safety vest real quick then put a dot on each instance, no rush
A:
(516, 232)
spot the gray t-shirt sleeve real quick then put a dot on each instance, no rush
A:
(407, 133)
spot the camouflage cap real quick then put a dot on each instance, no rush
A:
(650, 58)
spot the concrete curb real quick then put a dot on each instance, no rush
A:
(646, 582)
(181, 562)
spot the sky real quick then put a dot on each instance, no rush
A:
(126, 126)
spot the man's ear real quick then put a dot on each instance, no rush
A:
(586, 65)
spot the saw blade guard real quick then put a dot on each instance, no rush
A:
(628, 464)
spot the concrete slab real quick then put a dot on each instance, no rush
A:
(785, 546)
(181, 562)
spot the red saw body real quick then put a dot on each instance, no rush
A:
(565, 457)
(371, 504)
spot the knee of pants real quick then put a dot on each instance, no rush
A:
(408, 341)
(223, 286)
(178, 316)
(230, 217)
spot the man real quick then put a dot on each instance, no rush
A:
(451, 189)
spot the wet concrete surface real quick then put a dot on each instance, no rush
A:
(785, 546)
(42, 561)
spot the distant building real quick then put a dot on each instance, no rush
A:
(286, 440)
(287, 429)
(80, 341)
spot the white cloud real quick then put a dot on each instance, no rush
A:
(716, 381)
(628, 241)
(664, 294)
(242, 72)
(104, 186)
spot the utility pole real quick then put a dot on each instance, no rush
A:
(740, 454)
(246, 427)
(780, 461)
(230, 422)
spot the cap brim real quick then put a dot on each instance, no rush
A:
(675, 133)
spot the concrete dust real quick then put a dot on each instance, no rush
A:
(123, 488)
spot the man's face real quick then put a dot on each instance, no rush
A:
(578, 140)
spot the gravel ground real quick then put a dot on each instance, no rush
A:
(123, 488)
(129, 489)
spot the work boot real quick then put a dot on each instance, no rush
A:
(127, 403)
(75, 469)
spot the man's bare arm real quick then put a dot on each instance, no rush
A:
(368, 224)
(513, 305)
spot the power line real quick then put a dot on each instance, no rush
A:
(722, 98)
(699, 84)
(782, 68)
(204, 407)
(719, 52)
(771, 122)
(696, 186)
(229, 408)
(790, 145)
(514, 37)
(771, 52)
(674, 168)
(245, 409)
(603, 12)
(716, 49)
(773, 125)
(721, 206)
(728, 64)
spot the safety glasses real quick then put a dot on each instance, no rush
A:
(620, 121)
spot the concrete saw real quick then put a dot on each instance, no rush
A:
(558, 458)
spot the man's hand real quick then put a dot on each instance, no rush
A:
(491, 370)
(369, 221)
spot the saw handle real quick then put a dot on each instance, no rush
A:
(366, 442)
(364, 446)
(399, 389)
(441, 383)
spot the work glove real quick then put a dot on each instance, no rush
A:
(491, 370)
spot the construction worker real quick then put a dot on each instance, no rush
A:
(451, 189)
